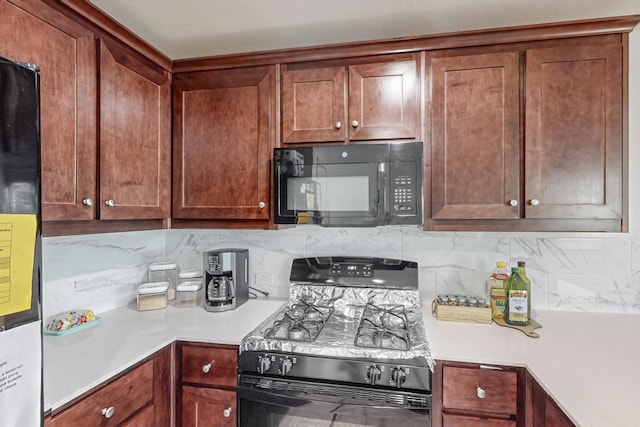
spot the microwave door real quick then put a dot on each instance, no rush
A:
(332, 194)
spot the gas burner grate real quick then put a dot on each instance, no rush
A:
(299, 322)
(383, 327)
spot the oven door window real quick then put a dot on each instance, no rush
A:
(323, 193)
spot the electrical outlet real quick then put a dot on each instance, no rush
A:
(264, 279)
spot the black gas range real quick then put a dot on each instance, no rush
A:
(348, 349)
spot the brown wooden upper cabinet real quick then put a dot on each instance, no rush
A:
(573, 142)
(476, 136)
(532, 133)
(223, 135)
(361, 101)
(135, 137)
(131, 179)
(65, 52)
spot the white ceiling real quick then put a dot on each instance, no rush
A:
(196, 28)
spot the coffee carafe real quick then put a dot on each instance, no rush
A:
(226, 275)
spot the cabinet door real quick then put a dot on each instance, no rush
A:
(66, 55)
(574, 141)
(135, 137)
(222, 134)
(476, 136)
(313, 105)
(383, 101)
(208, 407)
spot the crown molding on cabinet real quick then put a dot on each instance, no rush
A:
(558, 30)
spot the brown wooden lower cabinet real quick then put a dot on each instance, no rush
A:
(208, 407)
(142, 396)
(542, 409)
(464, 394)
(473, 395)
(468, 394)
(207, 378)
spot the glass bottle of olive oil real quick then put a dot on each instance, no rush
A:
(523, 274)
(517, 293)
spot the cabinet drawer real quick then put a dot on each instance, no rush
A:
(449, 420)
(481, 390)
(125, 395)
(211, 366)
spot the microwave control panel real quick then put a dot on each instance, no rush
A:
(403, 189)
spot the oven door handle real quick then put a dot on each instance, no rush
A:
(327, 404)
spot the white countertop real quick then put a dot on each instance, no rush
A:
(588, 362)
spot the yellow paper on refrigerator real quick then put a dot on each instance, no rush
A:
(17, 249)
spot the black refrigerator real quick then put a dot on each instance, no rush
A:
(20, 246)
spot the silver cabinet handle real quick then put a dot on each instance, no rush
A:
(355, 124)
(227, 412)
(206, 368)
(87, 202)
(513, 202)
(338, 125)
(262, 205)
(108, 412)
(534, 202)
(480, 392)
(110, 203)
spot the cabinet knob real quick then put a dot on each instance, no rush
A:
(355, 124)
(110, 202)
(338, 125)
(227, 412)
(480, 392)
(262, 205)
(534, 202)
(513, 202)
(108, 412)
(206, 368)
(87, 202)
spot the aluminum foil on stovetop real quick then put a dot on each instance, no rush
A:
(337, 338)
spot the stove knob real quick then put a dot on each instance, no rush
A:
(285, 366)
(399, 376)
(265, 363)
(373, 374)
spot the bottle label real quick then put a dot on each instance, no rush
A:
(518, 307)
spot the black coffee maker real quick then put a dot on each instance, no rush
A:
(226, 275)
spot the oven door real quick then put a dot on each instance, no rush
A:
(268, 402)
(330, 186)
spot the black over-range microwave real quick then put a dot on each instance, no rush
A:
(349, 185)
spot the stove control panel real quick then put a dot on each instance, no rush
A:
(347, 269)
(374, 373)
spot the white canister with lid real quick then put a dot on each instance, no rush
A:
(165, 272)
(190, 275)
(152, 295)
(189, 294)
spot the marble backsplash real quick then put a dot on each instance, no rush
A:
(570, 271)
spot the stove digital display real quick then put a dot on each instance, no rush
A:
(343, 269)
